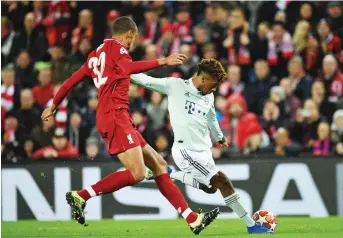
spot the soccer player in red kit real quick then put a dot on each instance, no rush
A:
(110, 66)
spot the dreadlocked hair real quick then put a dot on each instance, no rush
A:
(213, 68)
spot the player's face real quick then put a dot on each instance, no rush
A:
(209, 84)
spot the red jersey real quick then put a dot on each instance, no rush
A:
(110, 66)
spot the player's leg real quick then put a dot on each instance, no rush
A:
(188, 179)
(127, 146)
(170, 191)
(233, 200)
(159, 167)
(132, 160)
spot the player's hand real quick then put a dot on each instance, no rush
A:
(48, 112)
(223, 143)
(176, 59)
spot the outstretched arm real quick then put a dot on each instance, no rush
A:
(66, 87)
(132, 67)
(156, 84)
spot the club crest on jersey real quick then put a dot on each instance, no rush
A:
(129, 137)
(123, 51)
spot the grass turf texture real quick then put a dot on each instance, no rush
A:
(288, 227)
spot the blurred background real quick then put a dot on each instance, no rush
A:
(280, 108)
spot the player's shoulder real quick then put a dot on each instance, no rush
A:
(176, 81)
(115, 46)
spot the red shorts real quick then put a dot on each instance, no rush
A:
(118, 130)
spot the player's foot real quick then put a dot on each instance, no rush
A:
(203, 220)
(77, 205)
(150, 175)
(259, 229)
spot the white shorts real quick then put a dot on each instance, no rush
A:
(199, 164)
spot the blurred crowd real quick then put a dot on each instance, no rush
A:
(283, 94)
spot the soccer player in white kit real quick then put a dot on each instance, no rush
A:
(193, 116)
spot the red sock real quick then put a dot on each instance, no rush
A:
(175, 197)
(109, 184)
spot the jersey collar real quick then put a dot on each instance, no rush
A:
(193, 88)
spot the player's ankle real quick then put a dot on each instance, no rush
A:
(84, 194)
(192, 217)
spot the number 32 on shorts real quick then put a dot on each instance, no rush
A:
(98, 66)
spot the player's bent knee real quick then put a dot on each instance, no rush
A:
(138, 175)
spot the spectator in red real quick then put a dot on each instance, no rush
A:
(168, 44)
(9, 91)
(241, 128)
(183, 24)
(280, 49)
(42, 134)
(43, 92)
(329, 42)
(59, 64)
(7, 38)
(84, 28)
(60, 148)
(151, 30)
(323, 145)
(61, 114)
(233, 84)
(30, 39)
(332, 78)
(112, 15)
(57, 22)
(238, 41)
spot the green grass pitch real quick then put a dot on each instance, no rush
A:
(288, 227)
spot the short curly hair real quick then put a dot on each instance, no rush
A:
(213, 68)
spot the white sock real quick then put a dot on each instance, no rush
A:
(234, 202)
(185, 178)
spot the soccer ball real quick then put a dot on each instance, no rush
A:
(266, 219)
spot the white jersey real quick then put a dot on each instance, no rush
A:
(192, 115)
